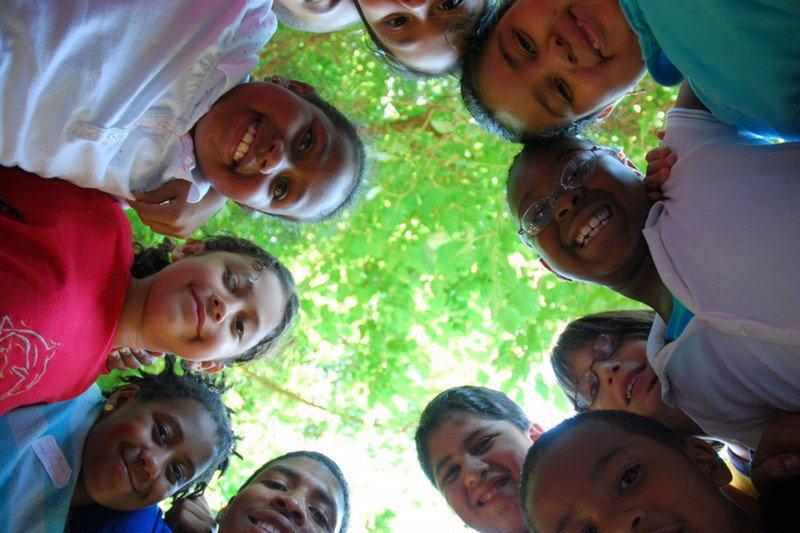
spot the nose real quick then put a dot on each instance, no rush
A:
(273, 157)
(474, 471)
(290, 507)
(630, 521)
(151, 463)
(567, 202)
(562, 51)
(607, 371)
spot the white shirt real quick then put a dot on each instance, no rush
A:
(104, 94)
(724, 244)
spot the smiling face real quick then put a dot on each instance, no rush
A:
(294, 495)
(626, 382)
(266, 147)
(142, 452)
(210, 306)
(476, 464)
(552, 62)
(599, 478)
(596, 231)
(422, 34)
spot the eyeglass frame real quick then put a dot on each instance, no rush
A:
(585, 404)
(551, 199)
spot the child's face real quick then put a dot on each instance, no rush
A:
(211, 306)
(599, 478)
(540, 68)
(614, 370)
(614, 192)
(476, 464)
(142, 452)
(297, 494)
(421, 33)
(266, 147)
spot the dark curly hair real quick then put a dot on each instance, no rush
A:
(198, 387)
(324, 460)
(473, 100)
(149, 260)
(479, 401)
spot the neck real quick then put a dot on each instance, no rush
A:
(645, 286)
(129, 329)
(80, 498)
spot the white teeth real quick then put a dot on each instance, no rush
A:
(629, 390)
(588, 230)
(244, 144)
(269, 528)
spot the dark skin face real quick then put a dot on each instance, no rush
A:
(599, 478)
(551, 62)
(613, 254)
(294, 495)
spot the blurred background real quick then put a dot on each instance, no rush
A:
(424, 286)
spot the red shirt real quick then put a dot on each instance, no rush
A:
(65, 258)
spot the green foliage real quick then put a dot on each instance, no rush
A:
(424, 286)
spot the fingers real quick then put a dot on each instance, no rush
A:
(161, 218)
(777, 468)
(114, 361)
(661, 164)
(191, 516)
(128, 359)
(171, 190)
(657, 153)
(660, 135)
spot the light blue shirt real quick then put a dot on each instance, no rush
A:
(40, 459)
(741, 57)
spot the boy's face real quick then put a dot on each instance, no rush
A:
(320, 16)
(142, 452)
(598, 478)
(211, 306)
(297, 494)
(625, 380)
(476, 464)
(420, 33)
(551, 62)
(608, 255)
(264, 146)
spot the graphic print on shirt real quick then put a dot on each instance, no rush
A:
(24, 355)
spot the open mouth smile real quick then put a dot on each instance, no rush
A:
(245, 143)
(589, 34)
(490, 491)
(270, 521)
(592, 227)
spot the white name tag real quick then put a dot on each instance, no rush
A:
(53, 460)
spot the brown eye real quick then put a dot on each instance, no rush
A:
(305, 143)
(281, 189)
(396, 22)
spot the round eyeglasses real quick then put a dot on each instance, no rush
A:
(540, 213)
(605, 346)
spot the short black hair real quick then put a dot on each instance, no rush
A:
(621, 420)
(473, 100)
(324, 460)
(198, 387)
(479, 401)
(149, 260)
(586, 329)
(461, 31)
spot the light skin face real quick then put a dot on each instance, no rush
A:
(206, 307)
(297, 494)
(295, 164)
(421, 33)
(598, 479)
(626, 367)
(541, 67)
(142, 452)
(320, 16)
(615, 252)
(476, 464)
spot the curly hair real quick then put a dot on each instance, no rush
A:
(149, 260)
(204, 389)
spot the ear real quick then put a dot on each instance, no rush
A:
(188, 248)
(535, 431)
(556, 274)
(123, 395)
(605, 113)
(709, 462)
(209, 367)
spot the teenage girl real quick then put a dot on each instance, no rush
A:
(73, 290)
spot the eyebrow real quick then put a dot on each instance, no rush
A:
(602, 463)
(469, 438)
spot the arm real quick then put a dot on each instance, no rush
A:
(166, 211)
(687, 99)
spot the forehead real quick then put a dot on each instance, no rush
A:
(539, 171)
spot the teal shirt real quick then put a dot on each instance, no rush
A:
(678, 320)
(741, 57)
